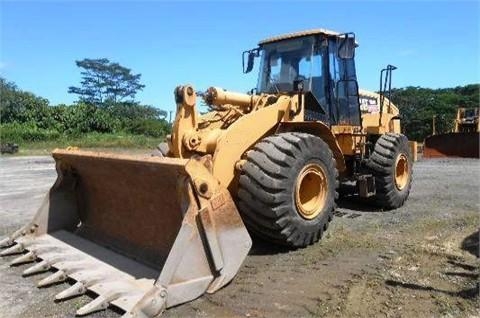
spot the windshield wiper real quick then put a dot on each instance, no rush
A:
(276, 87)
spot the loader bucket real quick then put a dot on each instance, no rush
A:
(142, 233)
(464, 145)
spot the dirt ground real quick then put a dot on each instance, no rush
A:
(417, 261)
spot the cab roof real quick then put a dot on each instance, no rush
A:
(292, 35)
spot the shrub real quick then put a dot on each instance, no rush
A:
(128, 113)
(84, 118)
(15, 132)
(150, 127)
(27, 117)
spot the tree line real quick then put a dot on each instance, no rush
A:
(419, 105)
(106, 104)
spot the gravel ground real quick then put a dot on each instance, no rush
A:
(416, 261)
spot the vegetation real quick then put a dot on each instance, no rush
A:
(102, 117)
(92, 140)
(105, 82)
(418, 106)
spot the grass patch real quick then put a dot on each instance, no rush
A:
(340, 238)
(432, 226)
(90, 140)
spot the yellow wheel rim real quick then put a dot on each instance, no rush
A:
(311, 191)
(401, 172)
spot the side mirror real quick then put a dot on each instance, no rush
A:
(346, 46)
(252, 54)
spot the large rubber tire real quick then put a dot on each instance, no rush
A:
(161, 150)
(388, 150)
(267, 188)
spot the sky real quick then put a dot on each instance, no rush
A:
(433, 44)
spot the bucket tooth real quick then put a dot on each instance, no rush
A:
(91, 277)
(25, 258)
(41, 267)
(76, 289)
(16, 249)
(99, 303)
(56, 277)
(6, 242)
(68, 266)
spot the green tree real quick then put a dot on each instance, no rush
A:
(132, 111)
(419, 105)
(22, 107)
(104, 82)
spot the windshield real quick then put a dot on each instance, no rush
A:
(470, 113)
(284, 62)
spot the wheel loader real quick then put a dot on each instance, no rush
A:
(463, 141)
(145, 233)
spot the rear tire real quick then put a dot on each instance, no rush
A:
(391, 164)
(287, 189)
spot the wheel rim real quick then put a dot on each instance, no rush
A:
(311, 191)
(401, 171)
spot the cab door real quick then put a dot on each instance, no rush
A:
(343, 88)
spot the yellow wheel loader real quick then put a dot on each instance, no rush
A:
(462, 142)
(145, 233)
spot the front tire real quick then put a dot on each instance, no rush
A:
(162, 150)
(287, 189)
(391, 165)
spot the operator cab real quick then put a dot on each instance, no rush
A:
(320, 64)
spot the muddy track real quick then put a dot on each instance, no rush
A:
(415, 261)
